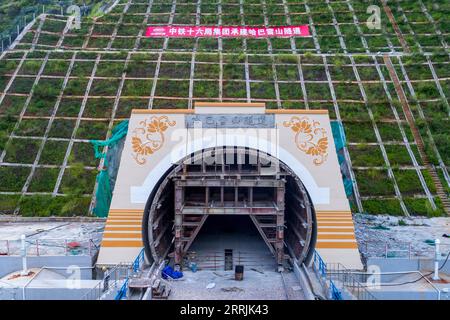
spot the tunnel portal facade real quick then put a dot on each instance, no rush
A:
(230, 181)
(285, 176)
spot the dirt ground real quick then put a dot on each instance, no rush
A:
(206, 284)
(52, 237)
(401, 234)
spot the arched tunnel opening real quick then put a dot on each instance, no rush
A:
(231, 204)
(229, 240)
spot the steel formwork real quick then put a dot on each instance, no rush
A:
(275, 201)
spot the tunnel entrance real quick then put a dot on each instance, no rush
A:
(233, 186)
(229, 240)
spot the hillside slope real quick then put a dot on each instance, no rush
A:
(389, 87)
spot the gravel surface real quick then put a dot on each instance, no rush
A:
(400, 233)
(52, 237)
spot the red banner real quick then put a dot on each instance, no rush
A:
(227, 32)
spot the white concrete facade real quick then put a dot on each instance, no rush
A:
(302, 139)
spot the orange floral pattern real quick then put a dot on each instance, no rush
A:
(310, 138)
(149, 137)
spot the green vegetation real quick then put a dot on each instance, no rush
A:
(22, 150)
(209, 89)
(61, 128)
(32, 127)
(6, 125)
(103, 87)
(366, 156)
(170, 88)
(45, 206)
(53, 152)
(13, 178)
(137, 88)
(408, 182)
(44, 180)
(220, 72)
(398, 155)
(92, 130)
(423, 207)
(359, 132)
(78, 181)
(47, 89)
(374, 182)
(76, 87)
(385, 206)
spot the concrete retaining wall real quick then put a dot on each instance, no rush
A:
(9, 264)
(38, 292)
(400, 264)
(405, 295)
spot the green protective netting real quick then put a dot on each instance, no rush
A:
(338, 135)
(348, 186)
(103, 194)
(340, 142)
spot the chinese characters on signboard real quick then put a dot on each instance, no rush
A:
(230, 120)
(227, 32)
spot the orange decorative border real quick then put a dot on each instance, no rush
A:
(230, 104)
(162, 111)
(220, 104)
(297, 111)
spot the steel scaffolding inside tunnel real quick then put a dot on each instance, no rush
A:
(230, 181)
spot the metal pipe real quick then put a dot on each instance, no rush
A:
(409, 251)
(436, 260)
(24, 256)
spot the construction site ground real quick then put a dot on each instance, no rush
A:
(256, 285)
(401, 235)
(51, 238)
(372, 232)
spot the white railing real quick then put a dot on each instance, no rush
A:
(49, 247)
(115, 280)
(398, 249)
(369, 284)
(336, 277)
(111, 283)
(215, 260)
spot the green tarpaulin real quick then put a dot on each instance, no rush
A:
(340, 142)
(103, 194)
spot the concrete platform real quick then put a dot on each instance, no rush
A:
(411, 289)
(254, 286)
(44, 284)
